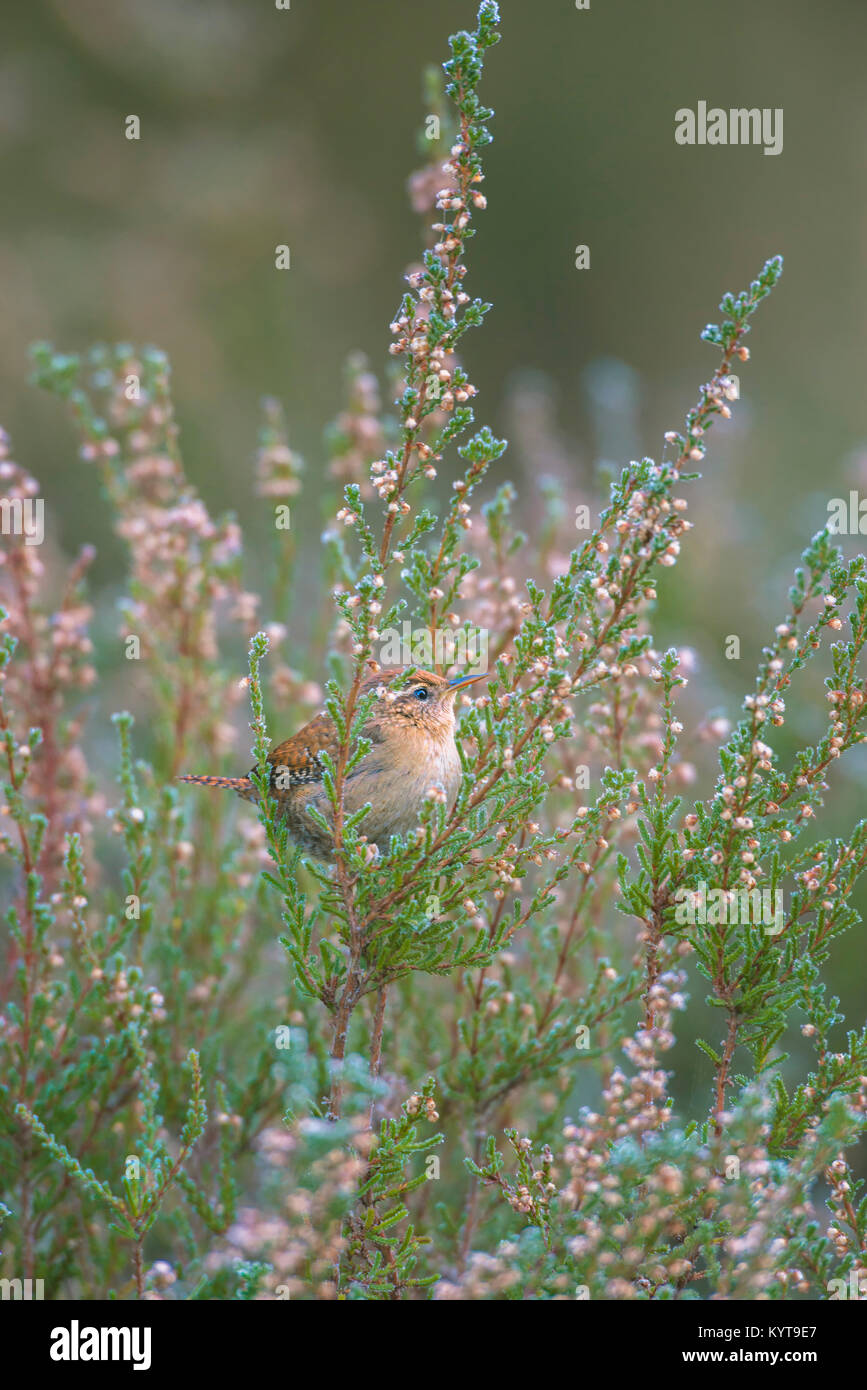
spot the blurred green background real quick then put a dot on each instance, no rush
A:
(261, 126)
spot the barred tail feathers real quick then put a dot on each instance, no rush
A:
(234, 784)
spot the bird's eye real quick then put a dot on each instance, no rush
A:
(420, 692)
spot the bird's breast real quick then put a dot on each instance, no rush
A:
(395, 778)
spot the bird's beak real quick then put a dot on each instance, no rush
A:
(467, 680)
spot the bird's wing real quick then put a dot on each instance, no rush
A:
(296, 761)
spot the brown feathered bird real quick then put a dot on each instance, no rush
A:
(412, 733)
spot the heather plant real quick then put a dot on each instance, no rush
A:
(229, 1071)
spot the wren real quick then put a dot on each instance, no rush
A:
(412, 733)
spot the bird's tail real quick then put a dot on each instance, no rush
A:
(234, 784)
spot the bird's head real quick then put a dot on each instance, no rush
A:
(423, 699)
